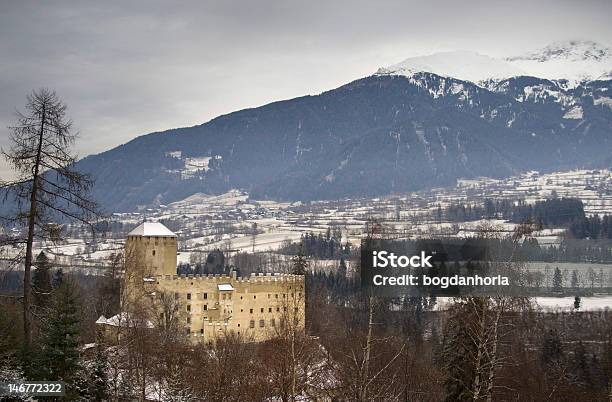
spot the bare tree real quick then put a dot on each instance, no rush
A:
(47, 187)
(290, 351)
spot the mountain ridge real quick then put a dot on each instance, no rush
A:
(573, 61)
(376, 135)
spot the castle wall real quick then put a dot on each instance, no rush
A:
(254, 308)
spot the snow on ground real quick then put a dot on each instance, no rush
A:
(552, 303)
(200, 201)
(567, 303)
(574, 113)
(263, 242)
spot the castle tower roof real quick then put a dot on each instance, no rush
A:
(154, 229)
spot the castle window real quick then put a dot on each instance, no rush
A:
(205, 307)
(238, 326)
(188, 296)
(205, 296)
(188, 307)
(262, 310)
(201, 330)
(224, 297)
(277, 309)
(254, 296)
(270, 310)
(176, 295)
(276, 295)
(252, 324)
(188, 320)
(262, 323)
(269, 295)
(251, 311)
(153, 252)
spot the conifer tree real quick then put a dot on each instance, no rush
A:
(552, 349)
(97, 378)
(58, 278)
(41, 280)
(574, 279)
(557, 282)
(300, 264)
(59, 358)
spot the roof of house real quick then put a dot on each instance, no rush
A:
(123, 320)
(152, 229)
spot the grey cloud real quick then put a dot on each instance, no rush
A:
(128, 68)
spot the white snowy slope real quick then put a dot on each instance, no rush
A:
(574, 61)
(463, 65)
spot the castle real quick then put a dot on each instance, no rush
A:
(255, 307)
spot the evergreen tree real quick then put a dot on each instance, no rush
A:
(457, 349)
(574, 279)
(342, 269)
(580, 367)
(557, 282)
(97, 384)
(552, 349)
(300, 264)
(577, 302)
(58, 278)
(41, 281)
(59, 356)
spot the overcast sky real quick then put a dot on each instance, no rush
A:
(127, 68)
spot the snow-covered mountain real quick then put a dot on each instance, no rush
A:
(462, 65)
(400, 130)
(574, 61)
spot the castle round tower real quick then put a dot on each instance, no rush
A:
(150, 250)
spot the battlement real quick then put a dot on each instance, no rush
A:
(219, 278)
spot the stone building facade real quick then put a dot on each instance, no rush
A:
(257, 307)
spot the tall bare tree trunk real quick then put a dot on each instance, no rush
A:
(482, 345)
(363, 389)
(27, 324)
(493, 355)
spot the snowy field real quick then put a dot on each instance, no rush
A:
(567, 303)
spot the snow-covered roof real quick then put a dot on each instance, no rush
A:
(225, 286)
(152, 229)
(123, 320)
